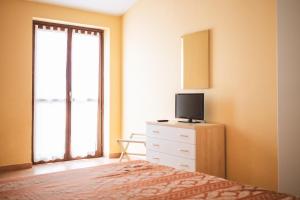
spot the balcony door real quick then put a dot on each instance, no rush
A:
(67, 92)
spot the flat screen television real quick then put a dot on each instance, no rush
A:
(189, 106)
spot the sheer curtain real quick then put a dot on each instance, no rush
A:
(50, 94)
(85, 88)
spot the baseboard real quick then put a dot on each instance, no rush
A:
(15, 167)
(114, 155)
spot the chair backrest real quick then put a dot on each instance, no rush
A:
(137, 135)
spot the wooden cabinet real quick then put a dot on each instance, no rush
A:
(193, 147)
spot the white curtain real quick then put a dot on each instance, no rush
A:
(85, 86)
(50, 94)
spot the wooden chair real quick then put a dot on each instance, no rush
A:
(135, 138)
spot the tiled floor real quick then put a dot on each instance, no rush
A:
(58, 166)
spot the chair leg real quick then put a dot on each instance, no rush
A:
(121, 157)
(123, 151)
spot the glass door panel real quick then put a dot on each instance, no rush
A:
(49, 94)
(85, 91)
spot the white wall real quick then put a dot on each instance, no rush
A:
(289, 95)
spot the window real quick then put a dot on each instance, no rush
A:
(67, 97)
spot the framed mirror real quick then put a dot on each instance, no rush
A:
(195, 60)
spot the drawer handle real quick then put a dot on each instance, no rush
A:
(155, 158)
(155, 145)
(155, 131)
(184, 165)
(184, 150)
(185, 136)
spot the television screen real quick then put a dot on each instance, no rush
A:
(189, 106)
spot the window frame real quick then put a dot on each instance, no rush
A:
(70, 28)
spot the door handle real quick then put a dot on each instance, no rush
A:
(70, 97)
(184, 150)
(155, 145)
(184, 165)
(185, 136)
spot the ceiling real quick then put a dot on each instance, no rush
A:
(113, 7)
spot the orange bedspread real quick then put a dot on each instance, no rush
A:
(129, 180)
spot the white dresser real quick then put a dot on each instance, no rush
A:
(192, 147)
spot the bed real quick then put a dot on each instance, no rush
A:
(130, 180)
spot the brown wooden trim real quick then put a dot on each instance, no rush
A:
(100, 97)
(57, 25)
(102, 91)
(68, 96)
(15, 167)
(114, 155)
(32, 90)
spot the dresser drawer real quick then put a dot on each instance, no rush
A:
(154, 156)
(172, 161)
(183, 150)
(171, 133)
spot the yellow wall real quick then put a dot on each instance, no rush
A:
(242, 76)
(16, 68)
